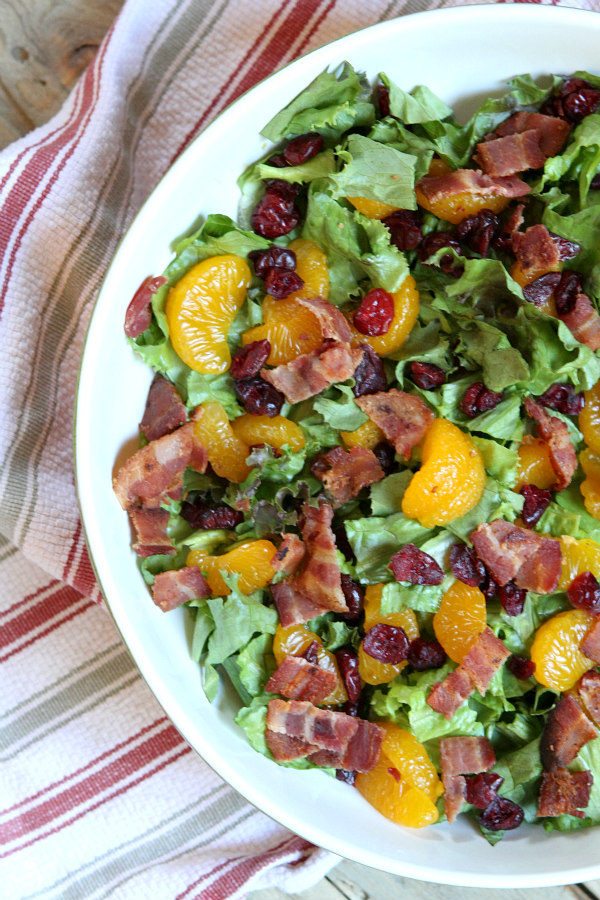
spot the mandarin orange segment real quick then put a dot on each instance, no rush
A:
(367, 435)
(385, 789)
(290, 329)
(250, 560)
(457, 207)
(372, 605)
(559, 663)
(460, 619)
(372, 670)
(534, 466)
(226, 451)
(590, 487)
(578, 557)
(406, 311)
(372, 209)
(295, 641)
(200, 309)
(311, 266)
(411, 759)
(589, 418)
(451, 479)
(277, 431)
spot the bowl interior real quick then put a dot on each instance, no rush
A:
(464, 55)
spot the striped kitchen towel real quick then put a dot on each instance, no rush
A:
(99, 794)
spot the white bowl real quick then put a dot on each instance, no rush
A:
(463, 54)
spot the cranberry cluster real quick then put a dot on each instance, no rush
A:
(573, 100)
(478, 399)
(256, 395)
(202, 515)
(466, 566)
(277, 266)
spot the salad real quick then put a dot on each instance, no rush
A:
(369, 461)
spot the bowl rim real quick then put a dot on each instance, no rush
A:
(225, 770)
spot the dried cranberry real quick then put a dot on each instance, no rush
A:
(465, 565)
(311, 654)
(425, 375)
(478, 230)
(347, 661)
(300, 149)
(277, 161)
(501, 815)
(386, 456)
(563, 398)
(424, 654)
(512, 598)
(258, 397)
(387, 643)
(405, 229)
(584, 593)
(541, 289)
(202, 516)
(536, 502)
(248, 361)
(345, 775)
(565, 293)
(415, 566)
(287, 190)
(520, 667)
(354, 597)
(483, 788)
(276, 214)
(581, 103)
(488, 587)
(567, 249)
(375, 313)
(478, 399)
(436, 241)
(369, 375)
(280, 283)
(279, 257)
(382, 98)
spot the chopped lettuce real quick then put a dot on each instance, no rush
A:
(338, 408)
(376, 171)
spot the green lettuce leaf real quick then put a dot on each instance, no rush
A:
(338, 408)
(237, 619)
(256, 663)
(374, 540)
(377, 172)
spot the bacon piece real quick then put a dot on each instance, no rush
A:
(552, 131)
(471, 181)
(164, 410)
(150, 526)
(566, 731)
(513, 221)
(289, 554)
(449, 694)
(466, 755)
(403, 418)
(177, 586)
(584, 322)
(510, 154)
(349, 742)
(346, 472)
(555, 433)
(298, 679)
(564, 793)
(511, 553)
(138, 316)
(156, 470)
(334, 325)
(285, 748)
(292, 605)
(311, 373)
(536, 250)
(589, 694)
(484, 659)
(590, 644)
(455, 794)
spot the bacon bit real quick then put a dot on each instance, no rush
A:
(555, 433)
(484, 659)
(566, 731)
(138, 316)
(289, 554)
(511, 153)
(590, 644)
(455, 793)
(511, 553)
(164, 410)
(345, 473)
(535, 249)
(564, 793)
(311, 373)
(155, 472)
(403, 418)
(285, 748)
(298, 679)
(552, 131)
(150, 526)
(472, 181)
(466, 755)
(584, 322)
(513, 220)
(293, 607)
(449, 694)
(589, 693)
(175, 587)
(334, 326)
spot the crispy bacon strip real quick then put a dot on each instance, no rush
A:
(472, 181)
(311, 373)
(334, 326)
(292, 605)
(589, 694)
(555, 433)
(466, 755)
(403, 418)
(155, 471)
(564, 793)
(150, 526)
(138, 316)
(285, 748)
(449, 694)
(289, 554)
(566, 731)
(590, 644)
(553, 132)
(511, 553)
(484, 659)
(177, 586)
(298, 679)
(536, 250)
(455, 794)
(346, 472)
(510, 154)
(164, 410)
(584, 322)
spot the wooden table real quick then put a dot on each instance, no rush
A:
(44, 47)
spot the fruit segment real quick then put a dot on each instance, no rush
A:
(295, 640)
(372, 209)
(411, 759)
(406, 310)
(457, 207)
(534, 466)
(590, 487)
(559, 663)
(578, 557)
(367, 435)
(250, 560)
(373, 671)
(385, 789)
(277, 431)
(460, 619)
(200, 309)
(226, 451)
